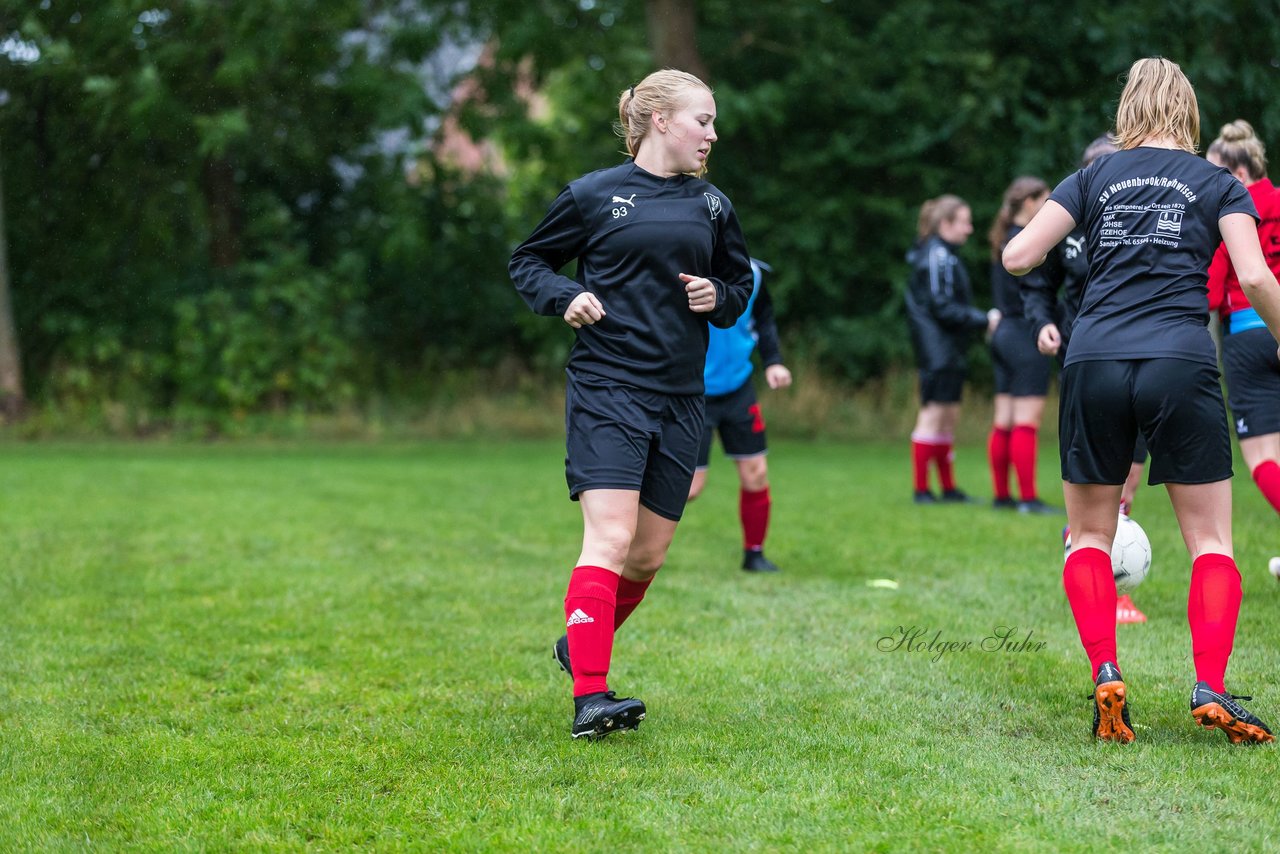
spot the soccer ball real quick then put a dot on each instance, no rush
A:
(1130, 554)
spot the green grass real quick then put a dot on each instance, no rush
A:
(321, 647)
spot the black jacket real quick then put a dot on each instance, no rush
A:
(939, 309)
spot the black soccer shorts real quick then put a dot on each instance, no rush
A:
(618, 436)
(737, 417)
(1174, 403)
(1020, 369)
(1253, 382)
(944, 386)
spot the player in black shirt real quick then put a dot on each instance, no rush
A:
(1022, 374)
(660, 254)
(1065, 270)
(1142, 360)
(942, 319)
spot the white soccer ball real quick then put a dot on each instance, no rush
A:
(1130, 554)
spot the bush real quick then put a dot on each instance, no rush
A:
(857, 349)
(284, 338)
(100, 383)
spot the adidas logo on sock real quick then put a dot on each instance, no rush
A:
(578, 616)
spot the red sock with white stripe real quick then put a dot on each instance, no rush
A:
(589, 612)
(1267, 476)
(753, 510)
(998, 456)
(921, 452)
(1091, 589)
(1022, 450)
(630, 595)
(1213, 605)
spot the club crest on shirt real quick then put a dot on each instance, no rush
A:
(713, 202)
(1170, 222)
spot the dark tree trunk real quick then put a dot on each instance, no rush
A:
(222, 201)
(673, 36)
(13, 399)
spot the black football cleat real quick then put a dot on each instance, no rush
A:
(924, 496)
(753, 560)
(1038, 507)
(1110, 711)
(598, 715)
(1219, 710)
(560, 651)
(956, 496)
(1003, 504)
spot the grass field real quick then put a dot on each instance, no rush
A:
(321, 647)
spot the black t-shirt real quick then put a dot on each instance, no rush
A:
(633, 233)
(1150, 217)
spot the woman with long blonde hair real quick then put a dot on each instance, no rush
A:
(1141, 360)
(660, 255)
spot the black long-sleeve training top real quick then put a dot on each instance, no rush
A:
(633, 234)
(938, 306)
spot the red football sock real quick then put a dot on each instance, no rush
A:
(589, 607)
(998, 456)
(1022, 450)
(753, 509)
(1091, 590)
(943, 456)
(1213, 604)
(1267, 476)
(920, 454)
(630, 594)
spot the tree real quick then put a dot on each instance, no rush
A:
(12, 398)
(197, 184)
(162, 155)
(673, 40)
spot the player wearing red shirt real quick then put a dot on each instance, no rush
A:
(1248, 353)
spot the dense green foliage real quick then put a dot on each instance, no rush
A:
(180, 180)
(326, 648)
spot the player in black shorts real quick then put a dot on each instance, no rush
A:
(733, 411)
(942, 319)
(1142, 361)
(1248, 353)
(1065, 271)
(1022, 374)
(660, 254)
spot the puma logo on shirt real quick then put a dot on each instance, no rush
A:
(1075, 245)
